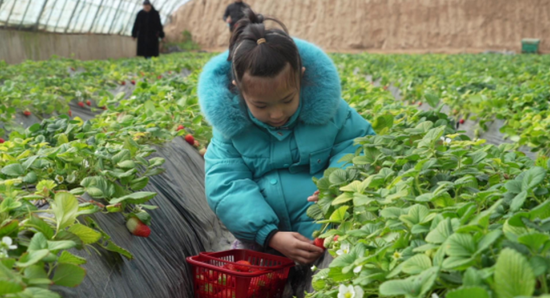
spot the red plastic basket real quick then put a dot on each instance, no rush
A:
(214, 278)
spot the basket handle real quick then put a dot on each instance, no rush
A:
(192, 261)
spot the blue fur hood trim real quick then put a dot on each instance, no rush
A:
(320, 92)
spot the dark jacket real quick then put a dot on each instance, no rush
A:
(235, 10)
(148, 29)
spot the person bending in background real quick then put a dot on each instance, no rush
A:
(278, 120)
(147, 30)
(234, 12)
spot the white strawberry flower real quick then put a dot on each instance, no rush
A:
(78, 94)
(344, 249)
(313, 268)
(358, 269)
(59, 179)
(86, 164)
(434, 295)
(448, 140)
(350, 292)
(5, 245)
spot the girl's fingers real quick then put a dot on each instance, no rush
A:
(316, 192)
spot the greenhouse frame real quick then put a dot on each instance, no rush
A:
(78, 16)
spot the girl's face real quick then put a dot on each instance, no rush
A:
(272, 100)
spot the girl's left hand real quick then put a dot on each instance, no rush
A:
(314, 197)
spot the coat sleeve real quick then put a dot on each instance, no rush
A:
(354, 126)
(226, 14)
(137, 23)
(234, 196)
(160, 28)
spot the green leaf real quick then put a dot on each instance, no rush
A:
(533, 177)
(127, 164)
(32, 292)
(518, 201)
(431, 98)
(460, 245)
(470, 292)
(315, 212)
(13, 170)
(338, 177)
(415, 215)
(9, 228)
(139, 183)
(513, 186)
(30, 178)
(488, 240)
(339, 214)
(343, 260)
(471, 278)
(440, 234)
(9, 287)
(65, 208)
(417, 264)
(391, 212)
(40, 226)
(32, 258)
(135, 198)
(86, 234)
(62, 244)
(343, 198)
(513, 275)
(457, 263)
(399, 287)
(38, 242)
(111, 246)
(68, 275)
(35, 271)
(67, 257)
(534, 241)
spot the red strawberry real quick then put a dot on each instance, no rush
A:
(386, 87)
(138, 228)
(319, 243)
(461, 121)
(336, 238)
(419, 103)
(190, 139)
(196, 144)
(180, 127)
(159, 77)
(104, 107)
(72, 68)
(27, 113)
(123, 83)
(243, 266)
(229, 267)
(88, 102)
(81, 104)
(2, 140)
(133, 82)
(70, 113)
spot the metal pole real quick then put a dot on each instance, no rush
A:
(172, 10)
(9, 15)
(87, 13)
(114, 18)
(71, 18)
(126, 10)
(95, 16)
(58, 19)
(1, 3)
(78, 16)
(126, 27)
(24, 15)
(50, 16)
(40, 15)
(106, 11)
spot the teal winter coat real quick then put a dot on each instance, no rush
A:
(258, 177)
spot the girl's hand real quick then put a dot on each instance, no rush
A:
(296, 247)
(314, 197)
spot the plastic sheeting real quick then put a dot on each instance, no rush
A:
(79, 16)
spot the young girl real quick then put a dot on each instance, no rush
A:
(278, 120)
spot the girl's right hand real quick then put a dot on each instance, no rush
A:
(314, 197)
(296, 247)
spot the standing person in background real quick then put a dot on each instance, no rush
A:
(234, 12)
(148, 29)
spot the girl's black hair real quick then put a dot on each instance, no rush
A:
(262, 59)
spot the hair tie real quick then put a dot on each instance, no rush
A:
(261, 40)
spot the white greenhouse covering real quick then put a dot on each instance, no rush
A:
(79, 16)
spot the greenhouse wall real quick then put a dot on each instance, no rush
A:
(449, 26)
(18, 46)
